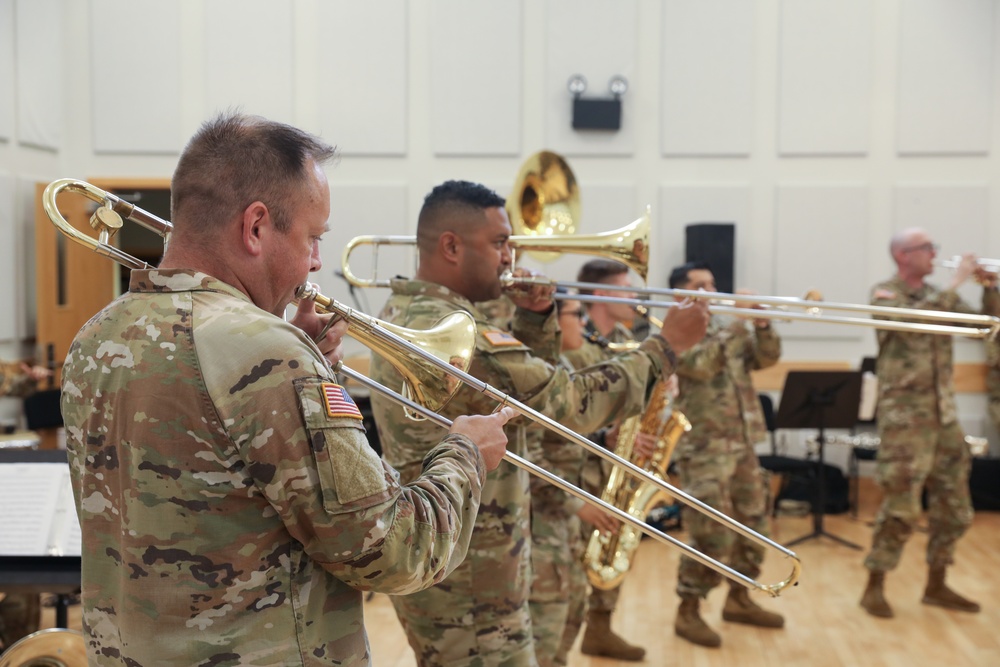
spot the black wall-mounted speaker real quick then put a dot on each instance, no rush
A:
(713, 242)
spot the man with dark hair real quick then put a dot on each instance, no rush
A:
(605, 328)
(922, 443)
(479, 615)
(716, 461)
(232, 511)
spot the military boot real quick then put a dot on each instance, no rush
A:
(599, 639)
(739, 608)
(873, 600)
(691, 627)
(939, 594)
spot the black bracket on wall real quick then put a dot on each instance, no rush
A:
(597, 113)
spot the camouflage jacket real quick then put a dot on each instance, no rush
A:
(914, 369)
(14, 381)
(493, 581)
(231, 508)
(716, 392)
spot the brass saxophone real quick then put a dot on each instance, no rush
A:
(609, 556)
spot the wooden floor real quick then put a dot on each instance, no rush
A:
(825, 626)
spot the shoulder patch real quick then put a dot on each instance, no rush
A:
(500, 338)
(883, 293)
(338, 402)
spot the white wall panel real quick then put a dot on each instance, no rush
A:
(144, 56)
(362, 75)
(955, 216)
(821, 242)
(7, 87)
(39, 63)
(248, 57)
(363, 208)
(682, 204)
(475, 77)
(596, 39)
(825, 68)
(945, 76)
(9, 273)
(707, 78)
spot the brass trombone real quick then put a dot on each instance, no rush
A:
(402, 353)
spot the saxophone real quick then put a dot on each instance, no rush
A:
(609, 556)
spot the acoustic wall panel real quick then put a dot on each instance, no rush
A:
(682, 204)
(707, 77)
(821, 242)
(248, 57)
(148, 31)
(7, 69)
(9, 275)
(364, 208)
(825, 64)
(955, 216)
(362, 75)
(598, 40)
(476, 73)
(39, 62)
(945, 76)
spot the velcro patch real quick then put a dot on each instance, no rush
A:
(500, 338)
(338, 402)
(884, 294)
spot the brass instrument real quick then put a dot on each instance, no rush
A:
(54, 647)
(402, 353)
(609, 556)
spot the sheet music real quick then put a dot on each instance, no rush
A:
(38, 512)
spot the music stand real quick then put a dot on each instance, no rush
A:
(820, 400)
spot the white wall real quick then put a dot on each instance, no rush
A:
(817, 127)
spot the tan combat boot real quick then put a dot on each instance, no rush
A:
(939, 594)
(599, 639)
(691, 627)
(739, 608)
(873, 599)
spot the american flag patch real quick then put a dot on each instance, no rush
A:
(500, 338)
(338, 402)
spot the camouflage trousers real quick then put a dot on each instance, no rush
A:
(908, 460)
(725, 474)
(558, 586)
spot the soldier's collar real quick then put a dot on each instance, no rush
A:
(179, 280)
(406, 287)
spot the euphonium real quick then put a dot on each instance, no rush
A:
(609, 556)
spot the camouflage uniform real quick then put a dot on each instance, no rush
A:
(993, 380)
(14, 381)
(592, 477)
(479, 615)
(921, 440)
(716, 460)
(231, 508)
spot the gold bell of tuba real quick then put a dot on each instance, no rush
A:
(609, 556)
(54, 647)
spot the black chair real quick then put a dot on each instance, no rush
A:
(781, 467)
(767, 407)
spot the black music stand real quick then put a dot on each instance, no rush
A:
(820, 400)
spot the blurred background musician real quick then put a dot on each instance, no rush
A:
(20, 613)
(606, 324)
(716, 460)
(480, 614)
(922, 443)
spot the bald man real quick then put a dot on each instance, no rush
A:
(922, 444)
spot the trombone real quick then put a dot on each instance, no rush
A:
(404, 354)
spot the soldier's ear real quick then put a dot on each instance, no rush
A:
(450, 247)
(255, 223)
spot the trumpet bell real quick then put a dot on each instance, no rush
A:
(54, 647)
(545, 200)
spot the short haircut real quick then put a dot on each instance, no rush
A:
(679, 276)
(451, 204)
(236, 159)
(599, 271)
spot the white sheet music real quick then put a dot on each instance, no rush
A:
(39, 516)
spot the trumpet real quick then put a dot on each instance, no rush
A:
(401, 354)
(990, 265)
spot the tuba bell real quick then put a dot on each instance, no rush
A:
(608, 557)
(54, 647)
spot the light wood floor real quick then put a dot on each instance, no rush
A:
(825, 626)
